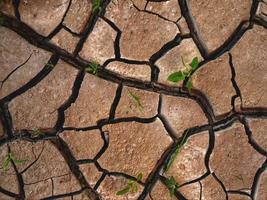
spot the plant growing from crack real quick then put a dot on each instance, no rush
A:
(178, 76)
(97, 6)
(136, 100)
(172, 185)
(176, 152)
(132, 186)
(1, 19)
(9, 158)
(92, 68)
(37, 133)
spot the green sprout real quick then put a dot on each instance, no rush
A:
(172, 185)
(132, 186)
(37, 133)
(97, 6)
(8, 159)
(49, 65)
(176, 152)
(92, 68)
(178, 76)
(136, 100)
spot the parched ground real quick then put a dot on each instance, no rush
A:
(69, 132)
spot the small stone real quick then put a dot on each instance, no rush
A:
(258, 128)
(37, 107)
(211, 189)
(65, 40)
(191, 191)
(93, 103)
(167, 9)
(233, 160)
(14, 51)
(83, 144)
(128, 107)
(172, 60)
(251, 51)
(141, 72)
(78, 15)
(182, 113)
(192, 156)
(91, 173)
(143, 34)
(214, 79)
(43, 16)
(218, 19)
(122, 156)
(99, 46)
(111, 185)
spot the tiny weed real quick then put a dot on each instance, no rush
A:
(37, 133)
(240, 177)
(97, 6)
(49, 65)
(176, 152)
(92, 68)
(136, 100)
(182, 75)
(8, 159)
(132, 186)
(172, 185)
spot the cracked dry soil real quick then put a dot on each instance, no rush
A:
(68, 133)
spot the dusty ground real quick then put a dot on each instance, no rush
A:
(68, 132)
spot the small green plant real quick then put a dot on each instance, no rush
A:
(182, 75)
(49, 65)
(92, 68)
(136, 100)
(37, 133)
(176, 152)
(97, 6)
(172, 185)
(132, 186)
(8, 159)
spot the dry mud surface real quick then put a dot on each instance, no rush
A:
(69, 133)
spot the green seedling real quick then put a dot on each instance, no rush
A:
(37, 133)
(178, 76)
(132, 186)
(176, 152)
(50, 65)
(8, 159)
(92, 68)
(97, 6)
(240, 177)
(136, 100)
(172, 185)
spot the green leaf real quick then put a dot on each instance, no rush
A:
(135, 99)
(194, 64)
(172, 185)
(123, 191)
(97, 6)
(6, 162)
(189, 85)
(19, 161)
(139, 177)
(92, 68)
(176, 77)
